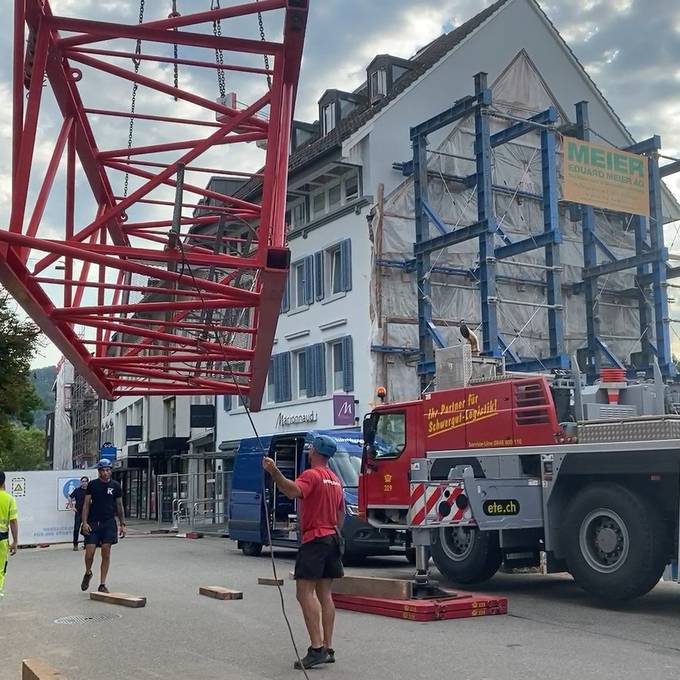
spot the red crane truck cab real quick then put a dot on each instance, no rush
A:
(503, 413)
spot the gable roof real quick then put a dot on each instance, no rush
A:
(423, 61)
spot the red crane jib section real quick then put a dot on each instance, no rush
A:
(149, 292)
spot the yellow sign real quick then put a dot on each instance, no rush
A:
(605, 177)
(454, 414)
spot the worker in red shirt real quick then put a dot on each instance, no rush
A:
(319, 559)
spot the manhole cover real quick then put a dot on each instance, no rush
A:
(86, 618)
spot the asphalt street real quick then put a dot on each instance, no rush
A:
(553, 630)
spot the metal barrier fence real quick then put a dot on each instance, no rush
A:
(194, 501)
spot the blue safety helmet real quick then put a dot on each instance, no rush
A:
(325, 445)
(103, 463)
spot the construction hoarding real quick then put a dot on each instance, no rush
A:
(45, 509)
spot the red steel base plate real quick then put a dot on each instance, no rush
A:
(457, 606)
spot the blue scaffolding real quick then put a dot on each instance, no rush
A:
(650, 260)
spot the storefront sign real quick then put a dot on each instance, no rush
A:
(284, 420)
(343, 409)
(605, 177)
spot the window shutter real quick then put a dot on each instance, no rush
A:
(285, 300)
(271, 377)
(320, 369)
(309, 279)
(346, 264)
(287, 388)
(227, 402)
(347, 364)
(309, 370)
(319, 275)
(282, 387)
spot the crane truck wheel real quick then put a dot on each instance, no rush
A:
(616, 543)
(251, 549)
(466, 555)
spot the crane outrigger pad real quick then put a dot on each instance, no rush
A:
(458, 605)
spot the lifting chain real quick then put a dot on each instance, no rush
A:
(219, 56)
(266, 56)
(173, 15)
(136, 62)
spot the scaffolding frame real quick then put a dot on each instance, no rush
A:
(649, 261)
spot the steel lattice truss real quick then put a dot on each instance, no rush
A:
(184, 303)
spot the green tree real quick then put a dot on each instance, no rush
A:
(21, 446)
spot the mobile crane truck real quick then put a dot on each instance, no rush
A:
(496, 469)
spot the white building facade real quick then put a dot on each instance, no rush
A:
(326, 363)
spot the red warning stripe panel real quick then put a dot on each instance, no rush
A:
(417, 490)
(433, 494)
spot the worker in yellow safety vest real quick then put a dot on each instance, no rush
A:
(8, 522)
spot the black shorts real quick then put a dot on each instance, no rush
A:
(319, 559)
(102, 533)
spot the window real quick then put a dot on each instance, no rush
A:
(227, 402)
(378, 83)
(338, 374)
(303, 281)
(390, 435)
(351, 184)
(347, 467)
(169, 417)
(319, 203)
(342, 365)
(334, 196)
(328, 118)
(301, 363)
(299, 214)
(285, 300)
(335, 267)
(339, 267)
(300, 299)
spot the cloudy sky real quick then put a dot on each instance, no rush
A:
(631, 48)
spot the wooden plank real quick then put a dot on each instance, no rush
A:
(119, 598)
(270, 581)
(35, 669)
(219, 593)
(368, 586)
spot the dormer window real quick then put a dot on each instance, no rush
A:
(383, 74)
(337, 105)
(328, 118)
(378, 84)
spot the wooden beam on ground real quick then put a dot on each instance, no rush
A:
(218, 593)
(270, 581)
(122, 599)
(368, 586)
(35, 669)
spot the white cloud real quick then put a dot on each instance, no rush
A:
(639, 75)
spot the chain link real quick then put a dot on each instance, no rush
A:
(133, 103)
(266, 56)
(175, 51)
(219, 56)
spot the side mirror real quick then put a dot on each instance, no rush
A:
(370, 422)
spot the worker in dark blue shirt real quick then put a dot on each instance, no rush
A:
(78, 497)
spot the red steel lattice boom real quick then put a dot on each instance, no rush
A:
(146, 291)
